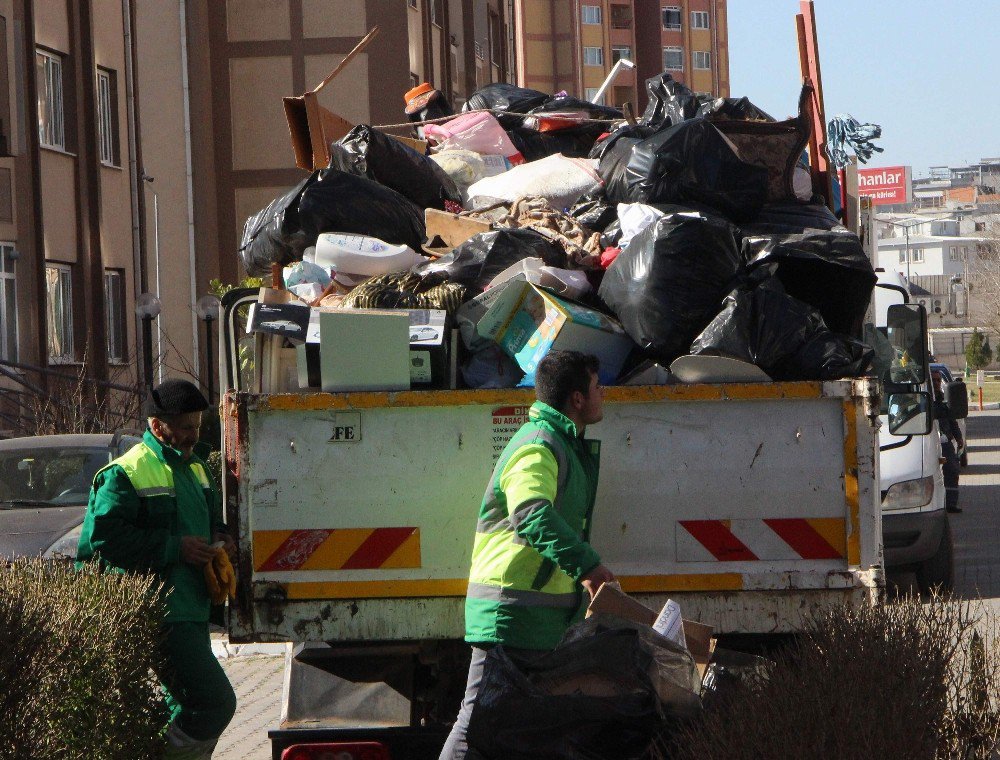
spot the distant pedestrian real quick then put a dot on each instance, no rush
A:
(156, 510)
(951, 443)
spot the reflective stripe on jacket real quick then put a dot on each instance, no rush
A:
(141, 504)
(531, 539)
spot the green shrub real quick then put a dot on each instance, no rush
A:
(901, 679)
(76, 665)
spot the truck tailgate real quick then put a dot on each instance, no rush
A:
(752, 504)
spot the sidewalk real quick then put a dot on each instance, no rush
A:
(977, 529)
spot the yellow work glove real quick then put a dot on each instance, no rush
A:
(220, 577)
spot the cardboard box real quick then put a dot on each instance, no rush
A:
(290, 320)
(364, 350)
(614, 601)
(528, 322)
(430, 343)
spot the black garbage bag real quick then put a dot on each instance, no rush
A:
(482, 257)
(274, 234)
(827, 269)
(791, 218)
(594, 213)
(569, 103)
(637, 132)
(502, 96)
(545, 711)
(367, 152)
(613, 166)
(733, 108)
(691, 162)
(341, 202)
(575, 142)
(670, 280)
(761, 324)
(670, 102)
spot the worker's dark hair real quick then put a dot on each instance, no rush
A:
(562, 372)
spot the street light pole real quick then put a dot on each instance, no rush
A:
(147, 308)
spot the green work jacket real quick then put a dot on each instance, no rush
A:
(140, 506)
(531, 540)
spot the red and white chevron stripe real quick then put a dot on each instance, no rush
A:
(756, 539)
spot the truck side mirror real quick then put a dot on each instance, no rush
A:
(957, 397)
(906, 329)
(910, 413)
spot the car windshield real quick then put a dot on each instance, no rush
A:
(49, 476)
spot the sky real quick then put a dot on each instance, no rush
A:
(927, 72)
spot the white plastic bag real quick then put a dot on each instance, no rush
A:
(466, 167)
(570, 283)
(633, 219)
(559, 180)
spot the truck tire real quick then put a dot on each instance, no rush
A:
(938, 572)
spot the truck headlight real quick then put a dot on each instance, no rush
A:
(909, 494)
(66, 546)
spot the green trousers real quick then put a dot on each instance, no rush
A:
(199, 695)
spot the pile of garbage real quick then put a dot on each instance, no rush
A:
(529, 222)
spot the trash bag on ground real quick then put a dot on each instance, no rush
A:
(482, 257)
(573, 142)
(761, 324)
(274, 234)
(502, 96)
(670, 281)
(691, 162)
(670, 102)
(367, 152)
(341, 202)
(827, 269)
(593, 212)
(591, 698)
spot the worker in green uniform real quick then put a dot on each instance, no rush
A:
(156, 510)
(531, 560)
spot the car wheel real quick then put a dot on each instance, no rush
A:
(938, 572)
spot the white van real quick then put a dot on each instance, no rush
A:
(915, 530)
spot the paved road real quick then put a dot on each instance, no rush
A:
(258, 678)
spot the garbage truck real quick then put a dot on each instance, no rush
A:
(753, 504)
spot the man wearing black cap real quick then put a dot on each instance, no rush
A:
(156, 510)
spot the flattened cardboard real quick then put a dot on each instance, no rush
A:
(313, 127)
(446, 230)
(614, 601)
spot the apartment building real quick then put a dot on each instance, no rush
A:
(572, 45)
(135, 139)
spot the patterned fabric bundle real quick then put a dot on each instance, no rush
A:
(404, 290)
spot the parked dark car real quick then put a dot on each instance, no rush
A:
(44, 486)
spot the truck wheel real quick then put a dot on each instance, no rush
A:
(938, 571)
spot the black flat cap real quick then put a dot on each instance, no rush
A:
(172, 397)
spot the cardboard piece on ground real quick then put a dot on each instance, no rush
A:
(446, 230)
(312, 126)
(364, 350)
(528, 322)
(614, 601)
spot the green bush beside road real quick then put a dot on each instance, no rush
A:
(77, 658)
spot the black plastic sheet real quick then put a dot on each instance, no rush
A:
(670, 102)
(670, 280)
(502, 96)
(827, 269)
(341, 202)
(482, 257)
(574, 142)
(763, 325)
(274, 234)
(594, 213)
(691, 162)
(569, 103)
(734, 108)
(792, 219)
(368, 152)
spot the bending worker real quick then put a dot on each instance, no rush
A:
(155, 510)
(531, 560)
(951, 443)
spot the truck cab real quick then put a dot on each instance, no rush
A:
(915, 530)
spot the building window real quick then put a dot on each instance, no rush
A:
(671, 17)
(496, 40)
(702, 60)
(437, 12)
(591, 93)
(107, 116)
(965, 253)
(59, 298)
(8, 303)
(593, 56)
(673, 58)
(699, 19)
(51, 121)
(590, 14)
(412, 3)
(114, 311)
(621, 16)
(902, 256)
(620, 51)
(916, 254)
(953, 253)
